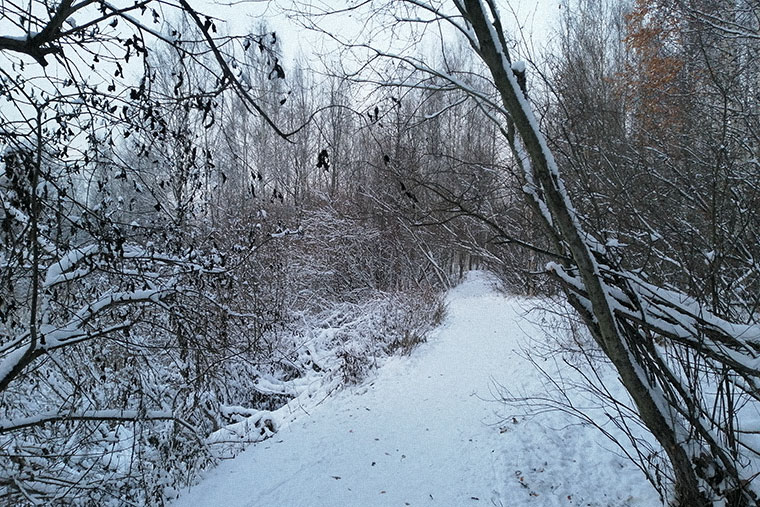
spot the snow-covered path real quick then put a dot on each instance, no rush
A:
(427, 431)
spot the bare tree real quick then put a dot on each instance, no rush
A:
(657, 332)
(107, 279)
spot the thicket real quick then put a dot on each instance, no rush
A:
(185, 253)
(185, 256)
(628, 176)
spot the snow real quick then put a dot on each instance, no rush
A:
(614, 243)
(285, 232)
(428, 430)
(11, 360)
(60, 271)
(22, 38)
(519, 67)
(116, 414)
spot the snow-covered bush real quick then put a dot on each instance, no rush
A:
(154, 317)
(360, 334)
(184, 345)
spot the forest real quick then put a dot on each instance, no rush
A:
(196, 228)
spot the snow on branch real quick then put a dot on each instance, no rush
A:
(72, 265)
(74, 331)
(9, 425)
(678, 317)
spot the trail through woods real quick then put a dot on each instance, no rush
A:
(427, 430)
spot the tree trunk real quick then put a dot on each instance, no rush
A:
(598, 314)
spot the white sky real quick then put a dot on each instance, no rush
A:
(528, 20)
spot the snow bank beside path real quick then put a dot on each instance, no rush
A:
(428, 431)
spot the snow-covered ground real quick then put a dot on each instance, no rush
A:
(426, 430)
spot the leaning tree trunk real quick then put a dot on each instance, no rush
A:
(611, 315)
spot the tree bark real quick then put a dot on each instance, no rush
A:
(600, 319)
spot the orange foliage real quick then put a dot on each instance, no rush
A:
(654, 76)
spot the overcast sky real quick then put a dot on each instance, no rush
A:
(534, 17)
